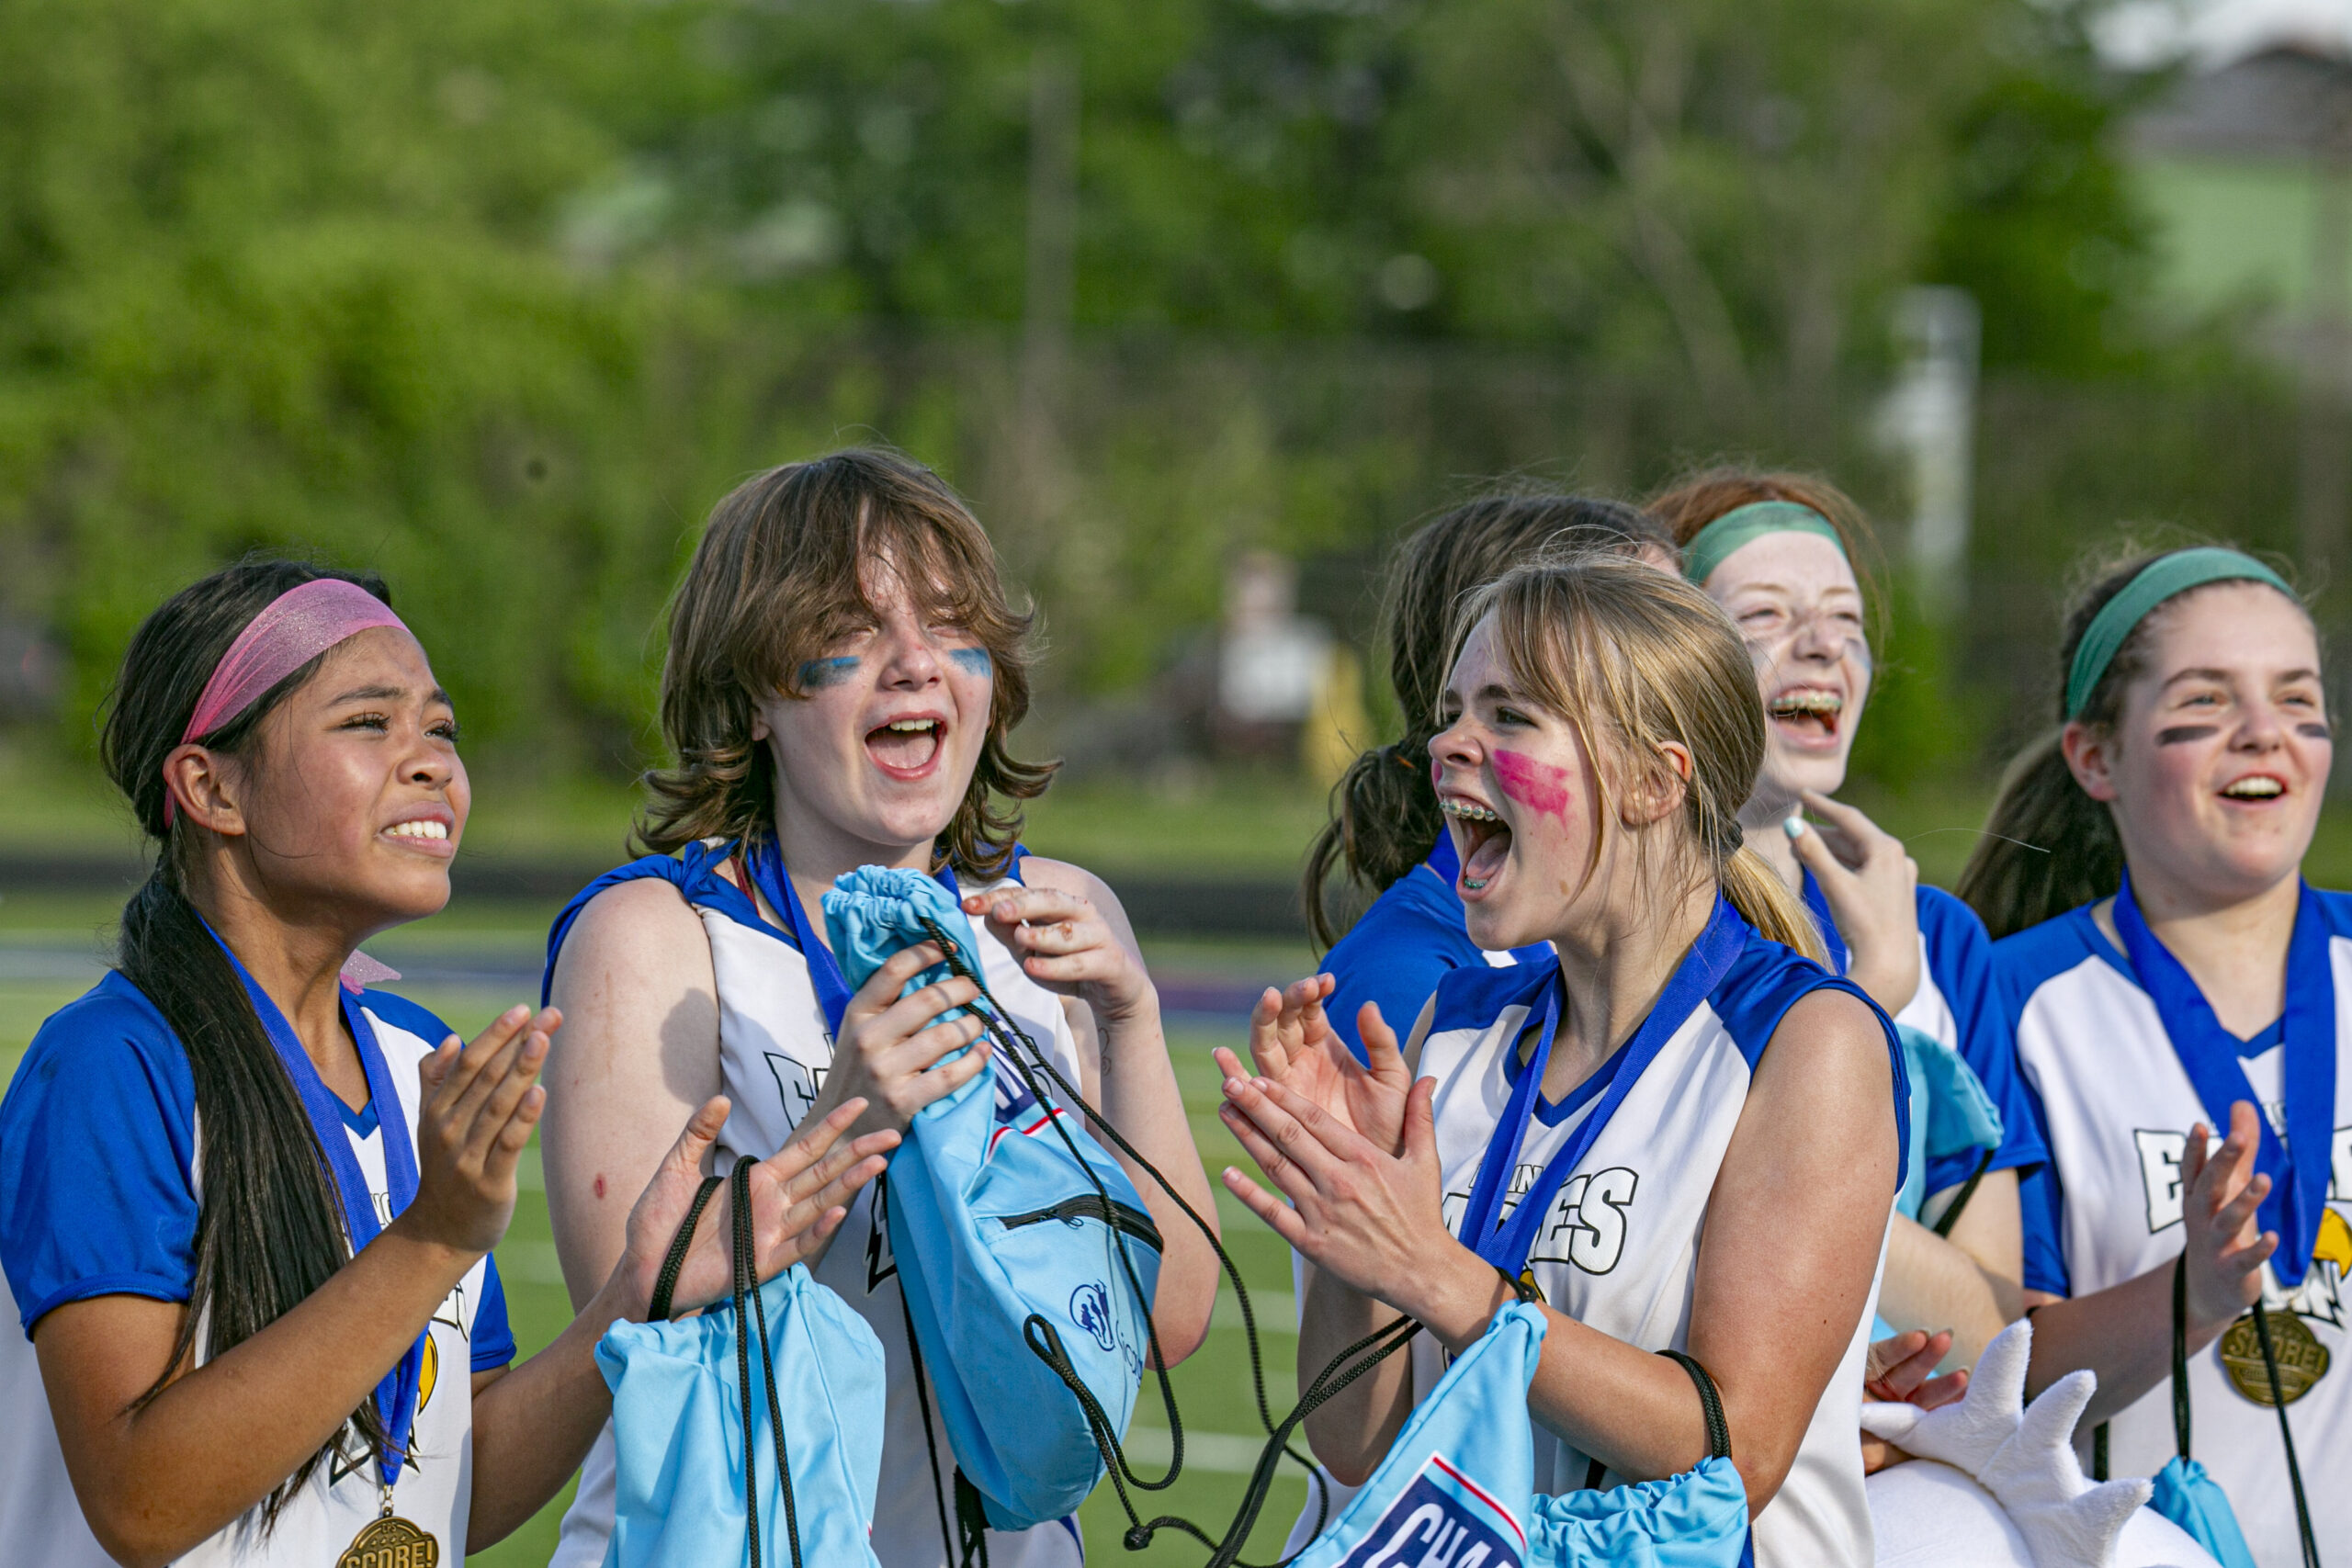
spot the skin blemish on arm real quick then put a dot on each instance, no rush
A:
(1539, 787)
(600, 1186)
(973, 661)
(819, 673)
(2182, 734)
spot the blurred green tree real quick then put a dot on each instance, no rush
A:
(497, 296)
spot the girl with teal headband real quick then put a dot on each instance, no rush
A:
(2170, 979)
(1775, 551)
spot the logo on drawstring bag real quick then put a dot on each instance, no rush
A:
(1442, 1517)
(1090, 1308)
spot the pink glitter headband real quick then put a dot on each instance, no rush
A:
(292, 630)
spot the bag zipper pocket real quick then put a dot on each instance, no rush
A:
(1087, 1206)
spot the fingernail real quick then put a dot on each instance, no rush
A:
(1261, 1085)
(1233, 1089)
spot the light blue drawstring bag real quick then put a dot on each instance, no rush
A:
(687, 1492)
(1027, 1257)
(1950, 1112)
(1458, 1485)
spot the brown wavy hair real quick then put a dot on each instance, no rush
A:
(777, 578)
(1384, 809)
(1690, 503)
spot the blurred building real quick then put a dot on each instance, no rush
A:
(2243, 168)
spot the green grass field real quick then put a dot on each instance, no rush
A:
(1213, 1387)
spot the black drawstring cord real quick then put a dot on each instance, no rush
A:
(2294, 1471)
(746, 1283)
(1001, 1024)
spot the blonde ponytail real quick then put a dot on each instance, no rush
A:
(1764, 900)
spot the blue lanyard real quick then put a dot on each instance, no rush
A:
(1446, 867)
(1818, 903)
(2299, 1170)
(396, 1394)
(1506, 1245)
(824, 970)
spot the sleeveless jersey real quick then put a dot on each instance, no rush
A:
(101, 1161)
(2115, 1106)
(1620, 1250)
(774, 1047)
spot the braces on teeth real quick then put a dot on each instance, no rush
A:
(1808, 702)
(1467, 812)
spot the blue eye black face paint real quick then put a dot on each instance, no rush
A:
(974, 661)
(2315, 732)
(819, 673)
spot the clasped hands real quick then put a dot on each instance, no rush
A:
(1353, 1147)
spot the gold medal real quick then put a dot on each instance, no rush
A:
(2302, 1360)
(391, 1541)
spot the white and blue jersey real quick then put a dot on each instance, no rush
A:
(1956, 1005)
(1412, 937)
(2114, 1105)
(101, 1171)
(774, 1048)
(1619, 1251)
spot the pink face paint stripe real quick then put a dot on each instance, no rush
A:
(1539, 787)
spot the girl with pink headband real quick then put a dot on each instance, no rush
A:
(250, 1200)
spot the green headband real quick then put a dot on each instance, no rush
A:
(1745, 524)
(2166, 577)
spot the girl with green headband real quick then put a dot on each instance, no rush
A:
(2170, 972)
(1775, 550)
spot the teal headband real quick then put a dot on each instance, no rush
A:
(1745, 524)
(2166, 577)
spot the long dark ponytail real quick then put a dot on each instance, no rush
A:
(269, 1230)
(2048, 847)
(1384, 809)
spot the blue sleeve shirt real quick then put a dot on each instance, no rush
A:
(1413, 936)
(1409, 939)
(1960, 961)
(97, 1161)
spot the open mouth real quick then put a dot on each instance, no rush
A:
(2256, 786)
(906, 748)
(1807, 713)
(1481, 837)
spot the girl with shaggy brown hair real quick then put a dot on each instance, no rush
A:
(844, 671)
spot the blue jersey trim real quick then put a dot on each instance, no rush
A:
(1960, 961)
(1754, 995)
(398, 1012)
(404, 1015)
(2023, 963)
(694, 872)
(493, 1335)
(1411, 938)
